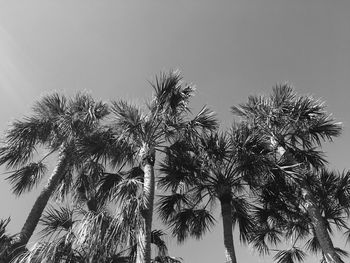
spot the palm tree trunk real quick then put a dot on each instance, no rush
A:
(40, 203)
(226, 213)
(320, 228)
(317, 220)
(144, 254)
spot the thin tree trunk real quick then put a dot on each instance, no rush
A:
(226, 213)
(320, 228)
(144, 253)
(40, 203)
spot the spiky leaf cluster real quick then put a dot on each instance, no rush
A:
(200, 171)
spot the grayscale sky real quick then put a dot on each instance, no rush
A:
(229, 49)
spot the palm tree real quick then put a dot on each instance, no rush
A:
(198, 173)
(93, 234)
(55, 125)
(75, 235)
(293, 127)
(143, 133)
(279, 215)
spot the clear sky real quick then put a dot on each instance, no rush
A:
(230, 49)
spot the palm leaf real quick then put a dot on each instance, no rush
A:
(169, 205)
(290, 256)
(107, 185)
(262, 236)
(240, 214)
(5, 239)
(27, 177)
(193, 222)
(56, 220)
(156, 239)
(313, 245)
(105, 145)
(21, 141)
(205, 120)
(51, 106)
(128, 119)
(170, 98)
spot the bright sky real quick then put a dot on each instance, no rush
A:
(229, 49)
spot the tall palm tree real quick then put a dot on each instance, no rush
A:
(147, 132)
(293, 127)
(55, 125)
(198, 173)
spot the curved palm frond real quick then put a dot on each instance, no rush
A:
(56, 220)
(128, 119)
(263, 237)
(51, 105)
(205, 119)
(108, 185)
(104, 145)
(27, 177)
(171, 97)
(21, 141)
(191, 222)
(170, 204)
(241, 215)
(156, 239)
(290, 256)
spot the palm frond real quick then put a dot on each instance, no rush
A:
(241, 214)
(57, 250)
(5, 239)
(64, 186)
(193, 222)
(324, 128)
(56, 220)
(51, 106)
(171, 96)
(156, 239)
(107, 185)
(83, 114)
(281, 94)
(313, 245)
(205, 120)
(341, 252)
(27, 177)
(342, 192)
(262, 236)
(179, 166)
(129, 189)
(120, 185)
(290, 256)
(167, 259)
(169, 205)
(21, 141)
(104, 145)
(128, 118)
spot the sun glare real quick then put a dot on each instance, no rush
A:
(12, 68)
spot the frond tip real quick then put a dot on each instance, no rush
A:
(290, 256)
